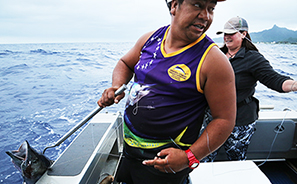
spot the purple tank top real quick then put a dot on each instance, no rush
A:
(166, 96)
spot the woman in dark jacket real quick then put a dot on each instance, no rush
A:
(249, 67)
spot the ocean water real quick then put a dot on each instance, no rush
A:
(46, 89)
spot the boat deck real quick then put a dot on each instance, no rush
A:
(281, 172)
(77, 155)
(96, 153)
(231, 172)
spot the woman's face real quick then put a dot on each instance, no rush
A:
(233, 41)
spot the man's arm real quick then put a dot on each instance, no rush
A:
(123, 73)
(220, 92)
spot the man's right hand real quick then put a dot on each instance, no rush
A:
(108, 97)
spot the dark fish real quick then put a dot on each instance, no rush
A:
(29, 162)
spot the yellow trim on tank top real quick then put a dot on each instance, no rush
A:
(180, 50)
(153, 143)
(200, 65)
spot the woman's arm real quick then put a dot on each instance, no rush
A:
(289, 85)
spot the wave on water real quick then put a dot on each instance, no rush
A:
(14, 69)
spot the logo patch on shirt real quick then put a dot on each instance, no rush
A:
(179, 72)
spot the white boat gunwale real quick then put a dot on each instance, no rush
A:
(107, 154)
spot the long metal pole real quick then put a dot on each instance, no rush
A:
(82, 122)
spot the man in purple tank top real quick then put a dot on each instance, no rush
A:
(178, 71)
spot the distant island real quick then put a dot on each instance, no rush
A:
(274, 35)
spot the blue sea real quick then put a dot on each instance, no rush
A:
(46, 89)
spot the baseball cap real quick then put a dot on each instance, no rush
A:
(234, 25)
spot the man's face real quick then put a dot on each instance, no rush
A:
(193, 17)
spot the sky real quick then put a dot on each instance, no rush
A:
(71, 21)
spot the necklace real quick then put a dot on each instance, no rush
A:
(231, 56)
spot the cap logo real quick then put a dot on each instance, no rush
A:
(240, 23)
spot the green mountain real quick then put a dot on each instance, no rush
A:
(275, 34)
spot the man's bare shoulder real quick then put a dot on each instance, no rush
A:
(216, 61)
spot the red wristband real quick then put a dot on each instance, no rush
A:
(193, 162)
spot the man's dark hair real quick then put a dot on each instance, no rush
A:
(169, 3)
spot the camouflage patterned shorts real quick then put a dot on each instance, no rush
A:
(237, 143)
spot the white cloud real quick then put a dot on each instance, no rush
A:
(118, 20)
